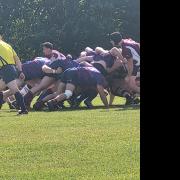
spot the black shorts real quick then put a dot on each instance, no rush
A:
(120, 73)
(8, 73)
(100, 68)
(70, 76)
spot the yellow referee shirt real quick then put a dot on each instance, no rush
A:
(7, 54)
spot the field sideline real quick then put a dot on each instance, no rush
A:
(71, 145)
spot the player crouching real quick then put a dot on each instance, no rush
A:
(79, 77)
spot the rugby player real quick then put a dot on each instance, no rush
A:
(50, 53)
(130, 51)
(105, 61)
(53, 72)
(33, 74)
(82, 77)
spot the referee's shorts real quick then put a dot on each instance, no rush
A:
(8, 73)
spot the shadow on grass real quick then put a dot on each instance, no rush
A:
(102, 108)
(116, 107)
(4, 113)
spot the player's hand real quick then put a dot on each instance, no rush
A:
(125, 61)
(118, 63)
(59, 70)
(22, 76)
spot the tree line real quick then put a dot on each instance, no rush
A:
(70, 25)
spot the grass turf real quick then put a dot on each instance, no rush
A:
(74, 145)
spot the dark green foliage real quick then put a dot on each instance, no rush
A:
(70, 24)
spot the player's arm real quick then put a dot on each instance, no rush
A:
(102, 94)
(117, 53)
(86, 64)
(18, 65)
(62, 56)
(17, 61)
(129, 58)
(130, 66)
(100, 50)
(112, 97)
(115, 66)
(49, 70)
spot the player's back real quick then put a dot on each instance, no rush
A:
(33, 69)
(88, 76)
(64, 64)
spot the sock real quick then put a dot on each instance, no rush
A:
(28, 98)
(25, 90)
(1, 98)
(81, 97)
(127, 96)
(44, 94)
(20, 101)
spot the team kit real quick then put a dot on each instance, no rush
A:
(47, 82)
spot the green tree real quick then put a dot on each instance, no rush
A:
(70, 24)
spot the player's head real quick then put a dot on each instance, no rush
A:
(47, 48)
(69, 57)
(115, 38)
(83, 54)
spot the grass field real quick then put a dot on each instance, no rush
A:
(71, 145)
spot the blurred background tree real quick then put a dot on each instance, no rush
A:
(70, 25)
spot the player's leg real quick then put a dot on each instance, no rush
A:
(120, 88)
(69, 89)
(40, 103)
(19, 98)
(60, 90)
(33, 82)
(45, 83)
(131, 81)
(111, 100)
(91, 95)
(48, 95)
(9, 75)
(2, 88)
(2, 85)
(133, 85)
(8, 92)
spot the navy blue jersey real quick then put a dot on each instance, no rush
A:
(64, 64)
(83, 76)
(33, 69)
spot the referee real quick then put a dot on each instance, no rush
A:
(9, 66)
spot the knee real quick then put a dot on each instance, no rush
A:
(68, 94)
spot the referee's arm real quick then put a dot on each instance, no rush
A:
(17, 61)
